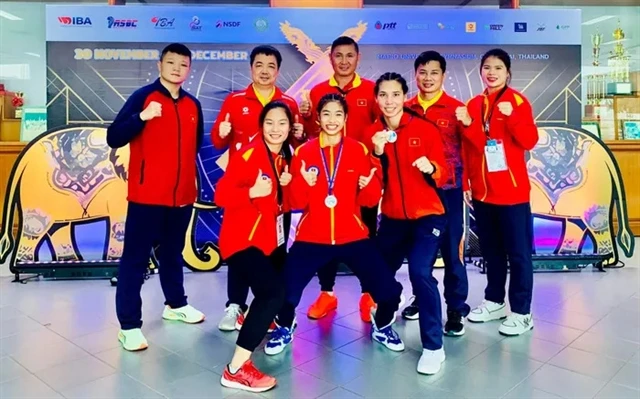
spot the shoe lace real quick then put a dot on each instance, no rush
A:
(233, 311)
(452, 315)
(391, 333)
(279, 333)
(252, 371)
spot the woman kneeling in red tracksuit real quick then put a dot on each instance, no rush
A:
(414, 167)
(499, 130)
(333, 177)
(254, 193)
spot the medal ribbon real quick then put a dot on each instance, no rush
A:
(331, 179)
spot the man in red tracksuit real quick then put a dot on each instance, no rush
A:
(237, 121)
(236, 126)
(358, 92)
(440, 108)
(163, 126)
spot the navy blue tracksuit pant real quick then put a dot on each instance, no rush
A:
(304, 260)
(417, 240)
(147, 225)
(506, 235)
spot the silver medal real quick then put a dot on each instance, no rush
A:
(392, 136)
(331, 201)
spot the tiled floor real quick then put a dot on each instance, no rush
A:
(58, 339)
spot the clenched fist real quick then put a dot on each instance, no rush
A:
(462, 115)
(153, 110)
(424, 165)
(379, 140)
(505, 108)
(225, 127)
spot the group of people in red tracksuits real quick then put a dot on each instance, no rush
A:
(350, 150)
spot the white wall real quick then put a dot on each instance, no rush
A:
(23, 50)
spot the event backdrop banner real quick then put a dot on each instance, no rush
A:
(98, 55)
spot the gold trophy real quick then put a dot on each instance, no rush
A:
(619, 58)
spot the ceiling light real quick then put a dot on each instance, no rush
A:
(599, 19)
(8, 16)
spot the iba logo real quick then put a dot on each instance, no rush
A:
(386, 26)
(74, 21)
(227, 24)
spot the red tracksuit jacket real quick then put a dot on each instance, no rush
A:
(341, 224)
(443, 114)
(518, 133)
(244, 109)
(408, 193)
(360, 101)
(250, 222)
(163, 150)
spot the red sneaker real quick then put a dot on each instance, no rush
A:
(240, 320)
(322, 306)
(366, 303)
(247, 378)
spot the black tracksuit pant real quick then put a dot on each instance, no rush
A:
(263, 274)
(145, 226)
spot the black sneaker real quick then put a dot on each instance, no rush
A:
(411, 311)
(454, 327)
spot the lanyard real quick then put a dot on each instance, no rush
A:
(331, 180)
(275, 173)
(486, 117)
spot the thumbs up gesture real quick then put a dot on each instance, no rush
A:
(285, 177)
(225, 127)
(363, 181)
(310, 177)
(262, 187)
(305, 104)
(298, 128)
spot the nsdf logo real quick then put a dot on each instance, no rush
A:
(74, 21)
(228, 24)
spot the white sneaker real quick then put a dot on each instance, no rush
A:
(516, 324)
(431, 361)
(133, 340)
(230, 318)
(186, 314)
(488, 311)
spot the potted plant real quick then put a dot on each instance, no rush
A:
(18, 101)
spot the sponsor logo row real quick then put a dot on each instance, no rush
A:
(261, 24)
(158, 22)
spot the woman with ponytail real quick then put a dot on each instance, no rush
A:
(414, 168)
(499, 130)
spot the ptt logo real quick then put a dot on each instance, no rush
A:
(386, 25)
(228, 24)
(495, 27)
(162, 22)
(113, 23)
(74, 21)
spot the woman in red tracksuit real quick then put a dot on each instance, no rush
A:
(333, 177)
(499, 130)
(254, 195)
(412, 223)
